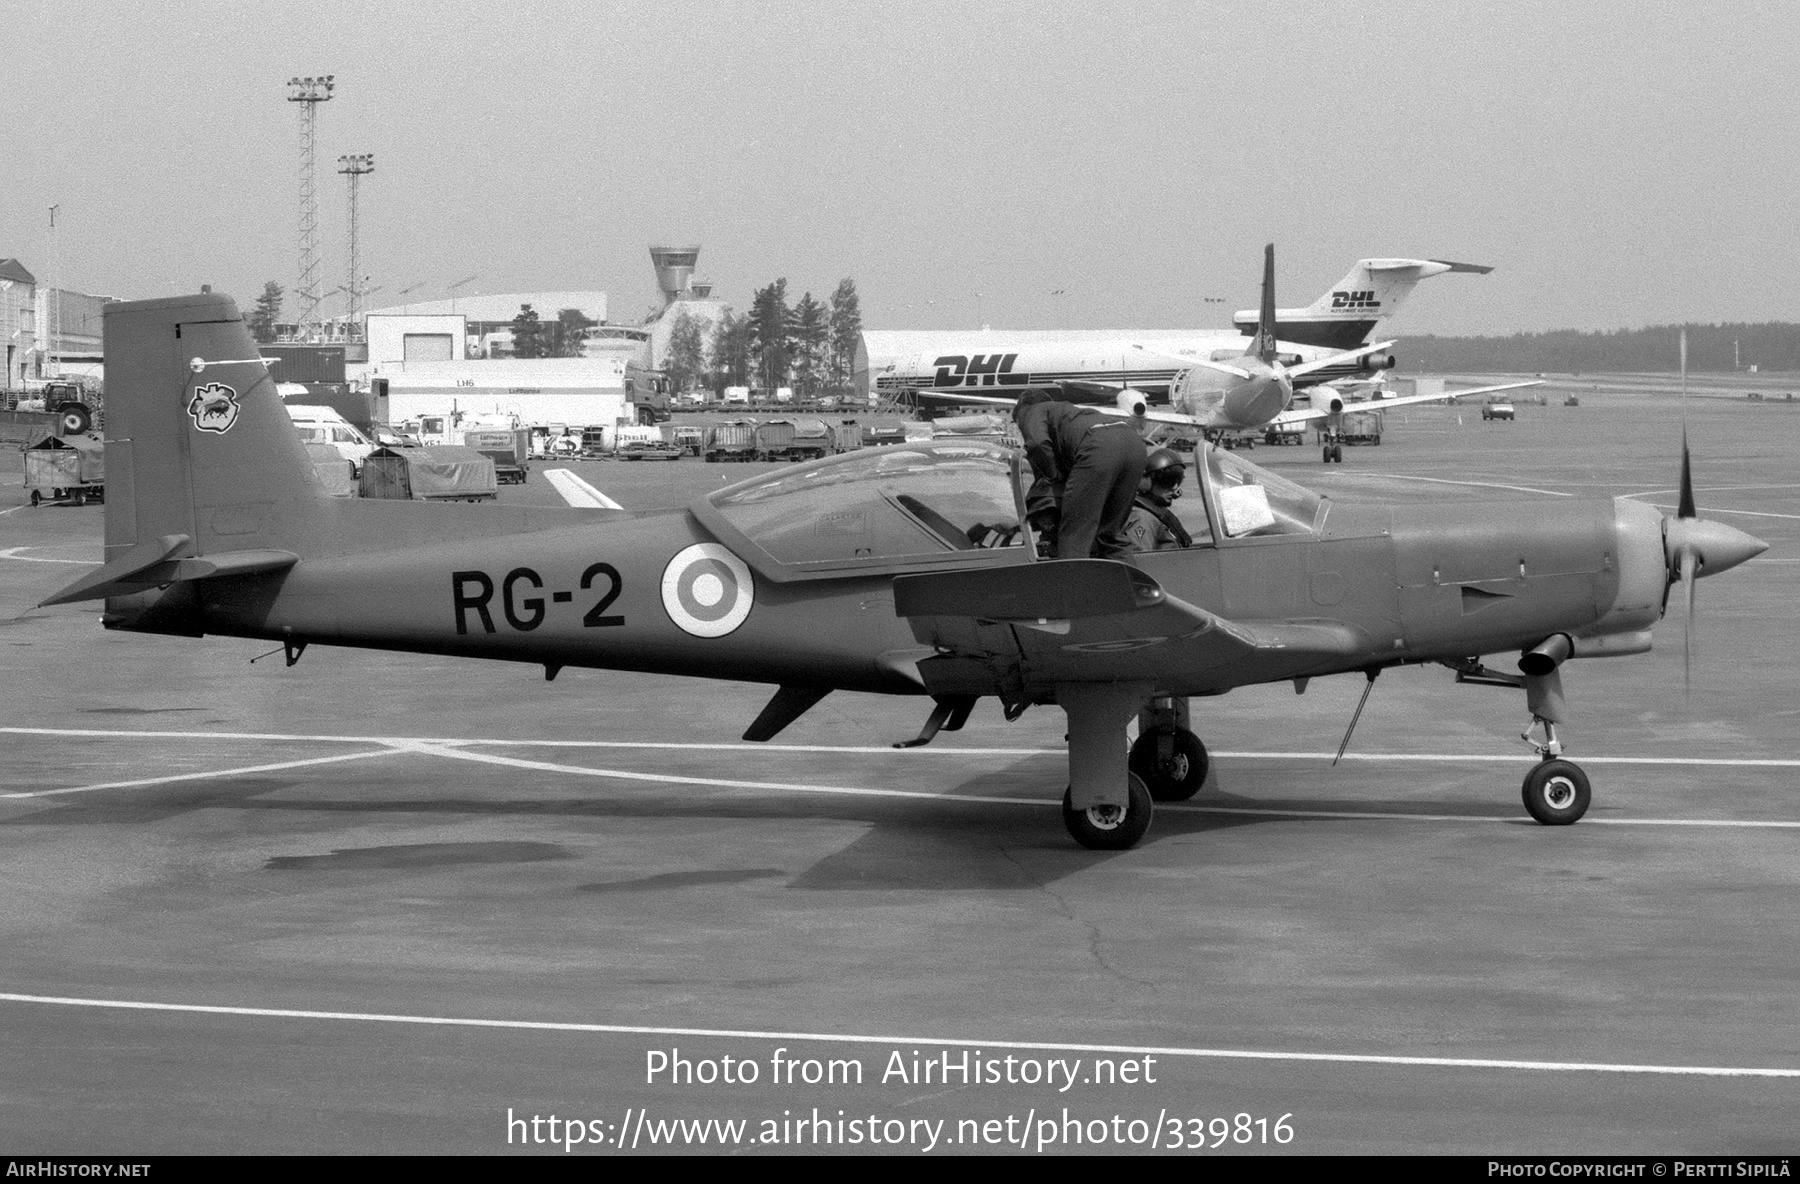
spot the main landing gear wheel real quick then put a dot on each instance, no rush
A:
(1108, 828)
(1172, 762)
(1556, 792)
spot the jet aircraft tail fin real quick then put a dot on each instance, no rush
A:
(1345, 315)
(1374, 288)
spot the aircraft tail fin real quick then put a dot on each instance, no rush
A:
(1345, 315)
(1264, 346)
(1374, 288)
(205, 474)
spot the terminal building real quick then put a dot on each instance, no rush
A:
(47, 332)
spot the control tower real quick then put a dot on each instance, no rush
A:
(674, 270)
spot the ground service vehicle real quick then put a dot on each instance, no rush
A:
(1501, 410)
(508, 448)
(1361, 427)
(735, 440)
(907, 570)
(323, 425)
(71, 467)
(647, 450)
(647, 391)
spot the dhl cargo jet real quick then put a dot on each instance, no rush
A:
(1212, 381)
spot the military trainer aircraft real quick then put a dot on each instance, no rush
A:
(905, 570)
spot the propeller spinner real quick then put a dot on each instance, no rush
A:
(1695, 548)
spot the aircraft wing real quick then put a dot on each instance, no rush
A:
(1028, 627)
(579, 493)
(1307, 415)
(1153, 414)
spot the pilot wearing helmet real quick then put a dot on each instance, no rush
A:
(1152, 525)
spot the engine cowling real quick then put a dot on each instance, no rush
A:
(1132, 402)
(1375, 362)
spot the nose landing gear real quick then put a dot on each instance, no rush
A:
(1556, 791)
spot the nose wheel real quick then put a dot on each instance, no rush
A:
(1556, 792)
(1172, 763)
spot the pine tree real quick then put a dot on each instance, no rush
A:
(568, 332)
(846, 334)
(809, 331)
(686, 362)
(769, 342)
(528, 334)
(731, 351)
(265, 313)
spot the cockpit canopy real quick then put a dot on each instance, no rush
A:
(952, 503)
(911, 505)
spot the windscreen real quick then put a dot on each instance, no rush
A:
(917, 499)
(1252, 501)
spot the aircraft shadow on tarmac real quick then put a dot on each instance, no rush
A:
(909, 844)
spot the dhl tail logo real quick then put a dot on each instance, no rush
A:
(1363, 299)
(979, 370)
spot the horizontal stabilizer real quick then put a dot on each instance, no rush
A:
(148, 565)
(1067, 589)
(579, 493)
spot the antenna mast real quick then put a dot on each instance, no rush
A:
(309, 93)
(355, 168)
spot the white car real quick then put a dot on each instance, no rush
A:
(323, 425)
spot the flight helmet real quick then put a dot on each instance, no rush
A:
(1164, 471)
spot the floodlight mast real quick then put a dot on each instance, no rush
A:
(53, 306)
(354, 168)
(309, 93)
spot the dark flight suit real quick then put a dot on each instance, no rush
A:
(1154, 527)
(1096, 461)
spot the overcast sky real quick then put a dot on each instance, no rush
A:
(1617, 165)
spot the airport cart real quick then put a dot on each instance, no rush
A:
(71, 468)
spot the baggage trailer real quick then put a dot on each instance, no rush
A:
(735, 440)
(71, 468)
(1361, 427)
(508, 448)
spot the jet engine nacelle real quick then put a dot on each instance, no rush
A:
(1132, 402)
(1328, 398)
(1379, 361)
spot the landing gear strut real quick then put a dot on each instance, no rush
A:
(1107, 807)
(1556, 791)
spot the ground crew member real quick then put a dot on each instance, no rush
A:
(1152, 525)
(1088, 462)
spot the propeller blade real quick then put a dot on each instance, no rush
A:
(1265, 324)
(1686, 507)
(1689, 575)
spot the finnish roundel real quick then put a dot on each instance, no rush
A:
(707, 590)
